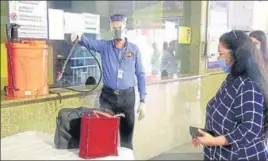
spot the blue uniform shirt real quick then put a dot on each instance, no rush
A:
(114, 59)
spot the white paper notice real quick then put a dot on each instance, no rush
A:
(31, 16)
(73, 22)
(92, 23)
(56, 24)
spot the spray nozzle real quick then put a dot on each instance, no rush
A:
(14, 34)
(14, 25)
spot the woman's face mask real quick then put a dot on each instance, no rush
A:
(224, 58)
(223, 65)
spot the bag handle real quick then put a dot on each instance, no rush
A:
(119, 115)
(97, 113)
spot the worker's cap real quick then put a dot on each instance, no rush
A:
(118, 17)
(118, 22)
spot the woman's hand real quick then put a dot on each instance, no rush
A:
(195, 142)
(206, 139)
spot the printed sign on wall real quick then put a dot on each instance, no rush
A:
(184, 35)
(73, 22)
(85, 22)
(32, 18)
(92, 23)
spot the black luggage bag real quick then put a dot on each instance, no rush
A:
(67, 135)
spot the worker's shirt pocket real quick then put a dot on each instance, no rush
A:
(129, 64)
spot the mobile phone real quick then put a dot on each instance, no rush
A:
(194, 132)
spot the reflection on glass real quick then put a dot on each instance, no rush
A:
(169, 62)
(150, 40)
(155, 61)
(81, 68)
(152, 25)
(217, 26)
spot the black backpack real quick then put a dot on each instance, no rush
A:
(67, 135)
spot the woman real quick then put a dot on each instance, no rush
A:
(237, 115)
(258, 37)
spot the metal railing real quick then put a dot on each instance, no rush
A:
(83, 67)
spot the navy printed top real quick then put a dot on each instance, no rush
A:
(236, 112)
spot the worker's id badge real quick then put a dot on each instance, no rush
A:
(120, 74)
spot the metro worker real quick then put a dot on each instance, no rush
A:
(121, 61)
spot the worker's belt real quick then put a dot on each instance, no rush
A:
(116, 92)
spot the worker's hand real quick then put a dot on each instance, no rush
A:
(59, 75)
(141, 111)
(76, 36)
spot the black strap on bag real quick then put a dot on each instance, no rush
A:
(60, 98)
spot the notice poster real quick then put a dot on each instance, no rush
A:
(184, 35)
(92, 23)
(73, 22)
(56, 24)
(32, 18)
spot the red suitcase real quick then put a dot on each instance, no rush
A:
(99, 135)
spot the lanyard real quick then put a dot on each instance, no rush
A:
(117, 55)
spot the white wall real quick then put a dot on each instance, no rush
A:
(260, 18)
(248, 15)
(95, 7)
(241, 15)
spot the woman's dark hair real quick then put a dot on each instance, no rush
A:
(260, 36)
(247, 62)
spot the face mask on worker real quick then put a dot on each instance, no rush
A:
(119, 34)
(223, 65)
(118, 26)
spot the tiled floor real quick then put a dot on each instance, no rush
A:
(184, 152)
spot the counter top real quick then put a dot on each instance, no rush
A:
(33, 145)
(66, 93)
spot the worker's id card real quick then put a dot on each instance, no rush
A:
(120, 74)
